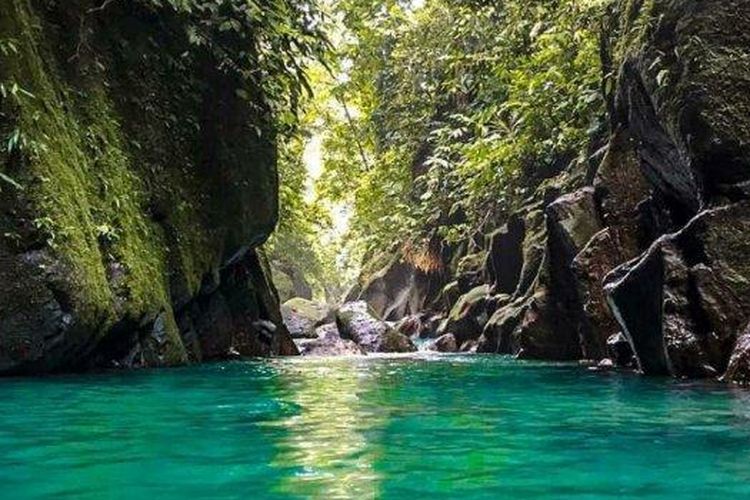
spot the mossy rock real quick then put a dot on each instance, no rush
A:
(118, 200)
(303, 316)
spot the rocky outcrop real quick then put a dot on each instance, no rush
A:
(686, 102)
(358, 322)
(634, 256)
(685, 301)
(129, 245)
(468, 316)
(674, 165)
(399, 289)
(290, 282)
(682, 304)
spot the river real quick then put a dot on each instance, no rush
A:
(422, 426)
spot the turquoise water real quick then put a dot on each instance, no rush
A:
(429, 427)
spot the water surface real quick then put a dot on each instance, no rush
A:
(392, 427)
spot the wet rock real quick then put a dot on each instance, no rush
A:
(410, 326)
(394, 341)
(601, 255)
(328, 343)
(444, 343)
(430, 325)
(529, 328)
(541, 334)
(619, 350)
(470, 346)
(358, 322)
(683, 302)
(302, 317)
(738, 371)
(603, 366)
(651, 301)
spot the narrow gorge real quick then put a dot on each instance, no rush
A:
(374, 248)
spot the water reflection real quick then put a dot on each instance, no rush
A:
(326, 441)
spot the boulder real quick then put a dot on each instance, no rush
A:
(468, 316)
(619, 350)
(444, 343)
(411, 326)
(302, 316)
(394, 341)
(401, 288)
(329, 343)
(530, 328)
(470, 273)
(358, 322)
(449, 295)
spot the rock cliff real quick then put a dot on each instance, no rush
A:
(649, 236)
(144, 180)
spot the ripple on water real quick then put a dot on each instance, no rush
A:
(405, 426)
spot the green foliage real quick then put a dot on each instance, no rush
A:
(264, 43)
(298, 240)
(457, 102)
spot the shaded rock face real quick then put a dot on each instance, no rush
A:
(398, 290)
(505, 256)
(535, 321)
(684, 302)
(145, 231)
(738, 371)
(290, 282)
(686, 102)
(358, 322)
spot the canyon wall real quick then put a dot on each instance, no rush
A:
(139, 179)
